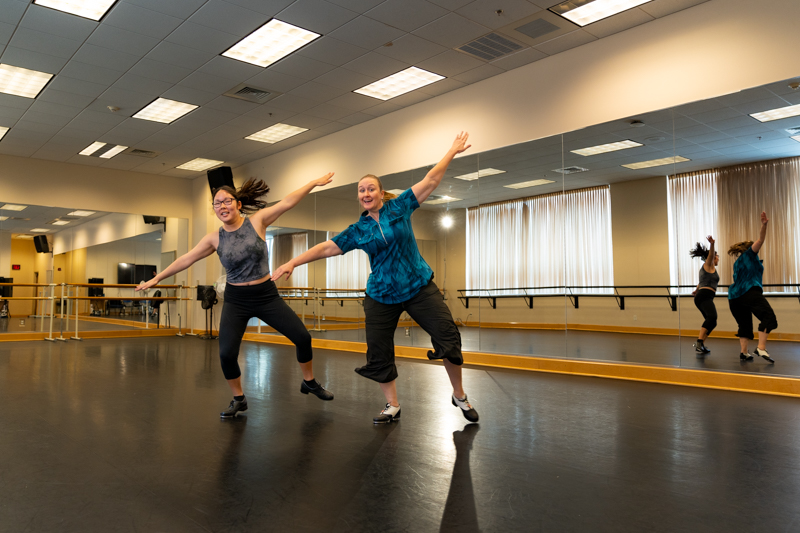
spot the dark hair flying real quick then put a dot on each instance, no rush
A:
(699, 251)
(248, 194)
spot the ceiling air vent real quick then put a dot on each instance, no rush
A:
(490, 47)
(249, 93)
(570, 170)
(141, 153)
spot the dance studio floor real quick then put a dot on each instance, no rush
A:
(25, 325)
(124, 435)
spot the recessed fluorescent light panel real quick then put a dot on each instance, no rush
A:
(58, 222)
(112, 152)
(480, 174)
(81, 213)
(583, 12)
(3, 218)
(442, 200)
(404, 81)
(796, 138)
(276, 133)
(90, 9)
(39, 230)
(396, 192)
(164, 111)
(603, 148)
(777, 114)
(526, 184)
(3, 131)
(657, 162)
(13, 207)
(92, 148)
(269, 43)
(199, 164)
(21, 81)
(102, 150)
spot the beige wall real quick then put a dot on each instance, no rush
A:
(23, 253)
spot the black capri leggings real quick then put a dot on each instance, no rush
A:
(704, 300)
(426, 308)
(752, 303)
(243, 302)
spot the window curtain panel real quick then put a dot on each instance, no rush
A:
(743, 192)
(348, 271)
(542, 241)
(692, 217)
(286, 247)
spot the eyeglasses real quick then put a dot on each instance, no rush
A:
(227, 201)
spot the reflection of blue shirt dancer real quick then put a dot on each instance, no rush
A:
(745, 295)
(400, 282)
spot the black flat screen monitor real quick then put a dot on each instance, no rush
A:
(143, 273)
(125, 273)
(6, 292)
(96, 291)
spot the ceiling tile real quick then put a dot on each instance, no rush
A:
(18, 147)
(359, 6)
(231, 69)
(228, 18)
(410, 49)
(207, 82)
(451, 31)
(662, 8)
(91, 73)
(125, 136)
(757, 106)
(40, 127)
(44, 43)
(523, 57)
(617, 23)
(301, 66)
(78, 137)
(317, 91)
(382, 108)
(6, 31)
(289, 102)
(155, 70)
(129, 102)
(57, 23)
(376, 65)
(367, 33)
(477, 74)
(269, 9)
(233, 150)
(12, 11)
(213, 116)
(451, 4)
(354, 102)
(175, 8)
(9, 116)
(122, 40)
(53, 152)
(60, 97)
(141, 84)
(332, 51)
(189, 95)
(231, 105)
(308, 121)
(330, 112)
(331, 127)
(46, 117)
(250, 124)
(15, 102)
(103, 57)
(442, 86)
(140, 20)
(202, 38)
(275, 81)
(566, 42)
(732, 123)
(316, 15)
(355, 118)
(407, 15)
(485, 12)
(182, 56)
(20, 57)
(450, 63)
(346, 79)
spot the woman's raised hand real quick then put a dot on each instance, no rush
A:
(279, 272)
(711, 239)
(324, 180)
(764, 218)
(460, 144)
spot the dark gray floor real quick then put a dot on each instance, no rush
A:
(26, 325)
(124, 435)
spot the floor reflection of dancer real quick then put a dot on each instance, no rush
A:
(401, 281)
(745, 295)
(249, 291)
(705, 291)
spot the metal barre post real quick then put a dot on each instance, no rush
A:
(52, 312)
(61, 335)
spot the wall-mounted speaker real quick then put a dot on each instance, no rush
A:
(41, 244)
(219, 177)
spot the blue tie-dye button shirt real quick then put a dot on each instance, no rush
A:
(398, 270)
(747, 272)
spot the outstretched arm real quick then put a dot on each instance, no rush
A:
(763, 234)
(263, 218)
(709, 264)
(320, 251)
(203, 249)
(424, 188)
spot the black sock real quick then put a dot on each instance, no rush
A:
(313, 383)
(239, 398)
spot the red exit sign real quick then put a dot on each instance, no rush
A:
(14, 267)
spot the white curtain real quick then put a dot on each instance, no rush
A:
(286, 247)
(692, 217)
(542, 241)
(348, 271)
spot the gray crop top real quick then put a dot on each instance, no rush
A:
(708, 280)
(243, 253)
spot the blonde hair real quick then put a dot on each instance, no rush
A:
(386, 195)
(739, 248)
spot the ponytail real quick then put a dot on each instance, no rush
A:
(248, 194)
(699, 251)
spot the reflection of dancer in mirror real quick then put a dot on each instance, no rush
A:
(249, 291)
(745, 295)
(705, 291)
(401, 281)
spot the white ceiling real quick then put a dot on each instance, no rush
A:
(36, 216)
(144, 49)
(713, 133)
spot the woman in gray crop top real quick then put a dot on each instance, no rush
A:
(249, 291)
(705, 291)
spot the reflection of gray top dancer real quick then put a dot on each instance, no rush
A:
(705, 291)
(249, 292)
